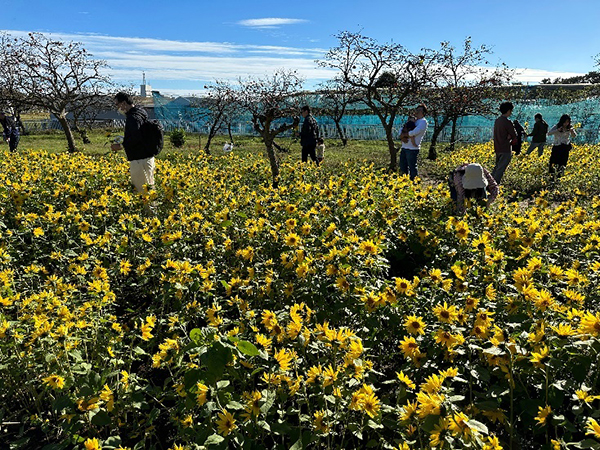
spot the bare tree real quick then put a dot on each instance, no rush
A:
(335, 96)
(387, 76)
(216, 109)
(86, 110)
(465, 86)
(59, 77)
(273, 103)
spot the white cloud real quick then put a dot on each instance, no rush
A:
(200, 62)
(537, 75)
(269, 22)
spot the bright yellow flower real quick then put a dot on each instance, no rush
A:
(445, 313)
(201, 393)
(415, 325)
(319, 422)
(225, 423)
(593, 428)
(407, 381)
(54, 381)
(92, 444)
(543, 415)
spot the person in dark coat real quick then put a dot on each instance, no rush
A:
(538, 135)
(10, 131)
(521, 135)
(141, 158)
(309, 134)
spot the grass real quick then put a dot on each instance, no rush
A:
(335, 154)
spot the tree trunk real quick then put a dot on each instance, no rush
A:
(341, 135)
(437, 129)
(268, 140)
(432, 151)
(453, 135)
(229, 132)
(391, 146)
(64, 123)
(211, 134)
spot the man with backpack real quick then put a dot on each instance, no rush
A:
(10, 131)
(309, 134)
(142, 141)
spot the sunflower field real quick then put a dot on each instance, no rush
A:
(346, 308)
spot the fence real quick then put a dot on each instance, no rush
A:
(467, 134)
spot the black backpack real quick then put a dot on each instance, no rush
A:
(152, 136)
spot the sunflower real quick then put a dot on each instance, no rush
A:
(225, 423)
(54, 381)
(445, 313)
(409, 346)
(543, 414)
(593, 428)
(415, 325)
(407, 381)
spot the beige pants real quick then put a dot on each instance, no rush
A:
(142, 172)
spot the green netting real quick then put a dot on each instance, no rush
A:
(184, 113)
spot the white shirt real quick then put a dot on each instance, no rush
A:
(562, 137)
(418, 133)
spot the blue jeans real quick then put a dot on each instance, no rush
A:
(534, 145)
(408, 162)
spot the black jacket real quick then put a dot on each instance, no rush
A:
(309, 132)
(540, 129)
(9, 126)
(132, 141)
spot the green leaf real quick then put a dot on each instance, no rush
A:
(61, 403)
(196, 335)
(235, 405)
(112, 442)
(101, 419)
(247, 348)
(494, 351)
(226, 223)
(374, 425)
(297, 445)
(329, 398)
(216, 359)
(476, 425)
(268, 403)
(223, 384)
(214, 439)
(588, 444)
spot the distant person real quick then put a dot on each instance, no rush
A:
(320, 151)
(472, 181)
(562, 132)
(521, 136)
(228, 147)
(409, 152)
(141, 159)
(538, 135)
(10, 131)
(309, 134)
(504, 137)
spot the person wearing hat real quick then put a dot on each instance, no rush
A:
(472, 181)
(10, 131)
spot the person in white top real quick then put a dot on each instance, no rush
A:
(562, 132)
(410, 150)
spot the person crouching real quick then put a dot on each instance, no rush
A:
(472, 181)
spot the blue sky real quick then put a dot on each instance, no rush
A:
(181, 45)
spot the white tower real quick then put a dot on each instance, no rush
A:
(145, 89)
